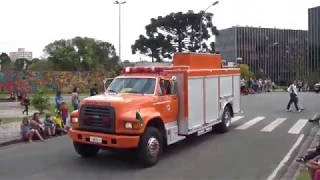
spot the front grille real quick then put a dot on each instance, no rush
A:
(97, 118)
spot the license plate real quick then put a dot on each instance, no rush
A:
(95, 139)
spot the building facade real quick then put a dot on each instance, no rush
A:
(314, 38)
(20, 54)
(280, 54)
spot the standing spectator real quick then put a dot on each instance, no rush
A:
(64, 112)
(19, 95)
(93, 90)
(26, 103)
(299, 85)
(75, 98)
(58, 99)
(27, 132)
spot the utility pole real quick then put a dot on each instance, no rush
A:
(119, 3)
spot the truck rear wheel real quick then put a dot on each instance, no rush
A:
(150, 147)
(86, 150)
(223, 127)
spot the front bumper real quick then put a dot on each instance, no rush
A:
(108, 140)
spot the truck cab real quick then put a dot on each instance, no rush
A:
(146, 108)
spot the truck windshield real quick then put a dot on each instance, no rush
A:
(133, 85)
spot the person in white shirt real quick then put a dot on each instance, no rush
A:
(292, 89)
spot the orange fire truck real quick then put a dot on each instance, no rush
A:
(146, 108)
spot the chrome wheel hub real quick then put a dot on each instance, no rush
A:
(153, 147)
(227, 119)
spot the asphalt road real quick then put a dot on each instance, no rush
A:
(245, 152)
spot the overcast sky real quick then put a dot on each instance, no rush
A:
(32, 24)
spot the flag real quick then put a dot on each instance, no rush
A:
(138, 117)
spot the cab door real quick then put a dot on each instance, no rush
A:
(167, 101)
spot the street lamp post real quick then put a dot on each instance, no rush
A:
(203, 14)
(119, 3)
(265, 58)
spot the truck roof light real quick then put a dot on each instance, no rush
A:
(142, 70)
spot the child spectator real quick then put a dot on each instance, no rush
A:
(60, 128)
(311, 153)
(64, 112)
(48, 122)
(27, 132)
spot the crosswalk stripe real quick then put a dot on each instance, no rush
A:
(273, 125)
(250, 123)
(297, 127)
(237, 118)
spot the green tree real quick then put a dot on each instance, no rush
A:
(81, 54)
(41, 99)
(4, 58)
(21, 62)
(182, 29)
(41, 65)
(157, 47)
(245, 71)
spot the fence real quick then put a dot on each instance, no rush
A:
(28, 81)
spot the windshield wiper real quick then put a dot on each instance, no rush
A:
(137, 92)
(111, 90)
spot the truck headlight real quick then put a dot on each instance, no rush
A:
(128, 125)
(74, 119)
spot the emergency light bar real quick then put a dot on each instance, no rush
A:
(143, 69)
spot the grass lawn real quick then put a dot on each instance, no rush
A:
(304, 175)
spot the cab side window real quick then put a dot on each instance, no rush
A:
(165, 87)
(159, 91)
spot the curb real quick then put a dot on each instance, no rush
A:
(293, 170)
(7, 143)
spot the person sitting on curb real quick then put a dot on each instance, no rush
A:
(313, 167)
(60, 128)
(37, 124)
(27, 132)
(311, 153)
(49, 124)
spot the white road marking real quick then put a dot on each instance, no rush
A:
(286, 158)
(237, 118)
(250, 123)
(273, 125)
(297, 127)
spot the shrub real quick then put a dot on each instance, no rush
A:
(41, 99)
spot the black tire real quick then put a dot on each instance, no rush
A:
(150, 134)
(223, 127)
(86, 150)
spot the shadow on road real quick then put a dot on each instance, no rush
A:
(126, 160)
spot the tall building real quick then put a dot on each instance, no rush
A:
(314, 38)
(269, 51)
(21, 53)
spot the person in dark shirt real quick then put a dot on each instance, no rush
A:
(93, 90)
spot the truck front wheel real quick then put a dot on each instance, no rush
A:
(86, 150)
(150, 147)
